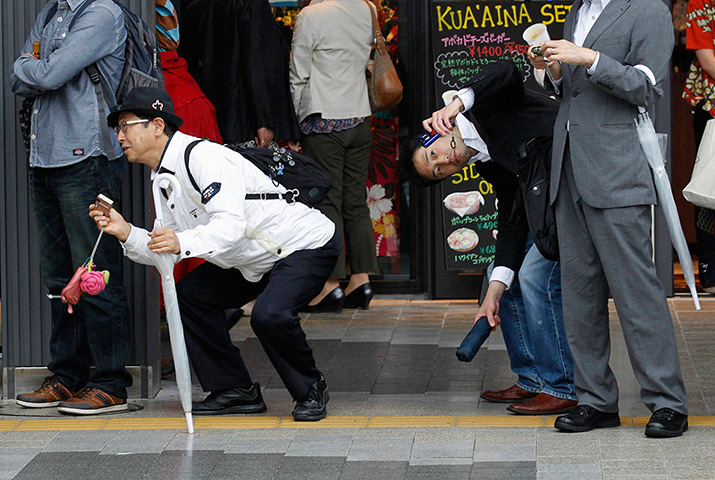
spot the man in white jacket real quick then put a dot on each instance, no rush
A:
(276, 252)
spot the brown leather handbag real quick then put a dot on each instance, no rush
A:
(383, 85)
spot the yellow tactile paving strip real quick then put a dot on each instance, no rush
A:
(209, 423)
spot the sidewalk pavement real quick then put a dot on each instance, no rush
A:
(401, 406)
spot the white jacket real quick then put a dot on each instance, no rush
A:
(228, 230)
(332, 40)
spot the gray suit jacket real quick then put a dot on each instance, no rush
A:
(609, 166)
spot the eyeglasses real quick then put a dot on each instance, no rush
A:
(122, 126)
(428, 138)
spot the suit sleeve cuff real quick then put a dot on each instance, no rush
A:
(648, 72)
(504, 275)
(592, 68)
(466, 95)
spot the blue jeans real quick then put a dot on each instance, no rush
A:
(98, 332)
(533, 327)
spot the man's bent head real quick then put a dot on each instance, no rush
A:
(428, 165)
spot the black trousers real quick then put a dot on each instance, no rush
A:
(208, 290)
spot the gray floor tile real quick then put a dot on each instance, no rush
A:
(368, 334)
(26, 439)
(320, 446)
(310, 468)
(201, 440)
(374, 471)
(86, 441)
(443, 449)
(504, 453)
(250, 466)
(416, 336)
(259, 445)
(57, 465)
(13, 460)
(387, 449)
(652, 466)
(555, 471)
(189, 464)
(504, 470)
(139, 441)
(441, 461)
(442, 472)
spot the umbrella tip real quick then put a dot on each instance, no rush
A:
(189, 422)
(694, 293)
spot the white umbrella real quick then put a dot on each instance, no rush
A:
(164, 262)
(651, 148)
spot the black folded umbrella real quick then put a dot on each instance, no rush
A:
(474, 339)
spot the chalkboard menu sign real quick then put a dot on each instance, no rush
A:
(469, 219)
(468, 35)
(465, 37)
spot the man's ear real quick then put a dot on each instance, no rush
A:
(158, 125)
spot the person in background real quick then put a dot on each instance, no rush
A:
(699, 87)
(68, 168)
(190, 103)
(239, 57)
(268, 250)
(524, 294)
(613, 59)
(331, 48)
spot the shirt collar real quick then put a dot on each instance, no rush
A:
(165, 162)
(74, 4)
(597, 3)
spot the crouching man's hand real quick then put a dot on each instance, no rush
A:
(164, 240)
(113, 223)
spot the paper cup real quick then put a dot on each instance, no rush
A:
(536, 34)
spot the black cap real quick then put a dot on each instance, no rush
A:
(154, 102)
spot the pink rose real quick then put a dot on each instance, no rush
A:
(92, 282)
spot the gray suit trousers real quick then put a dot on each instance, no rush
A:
(610, 249)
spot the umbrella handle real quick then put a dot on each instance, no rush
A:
(156, 191)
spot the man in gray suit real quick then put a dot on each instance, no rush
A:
(613, 58)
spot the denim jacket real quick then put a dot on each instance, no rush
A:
(65, 117)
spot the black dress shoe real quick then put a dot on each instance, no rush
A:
(313, 406)
(360, 297)
(666, 423)
(584, 418)
(333, 302)
(233, 400)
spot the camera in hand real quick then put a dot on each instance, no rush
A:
(103, 204)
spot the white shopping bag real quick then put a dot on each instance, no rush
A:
(700, 190)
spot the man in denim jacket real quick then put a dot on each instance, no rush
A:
(69, 167)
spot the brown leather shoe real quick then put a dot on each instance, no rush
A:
(50, 394)
(509, 395)
(543, 404)
(92, 401)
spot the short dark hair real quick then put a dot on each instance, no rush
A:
(407, 163)
(169, 129)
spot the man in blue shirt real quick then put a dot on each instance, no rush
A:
(69, 166)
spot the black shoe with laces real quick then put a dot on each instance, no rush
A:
(313, 406)
(233, 400)
(585, 418)
(706, 275)
(666, 423)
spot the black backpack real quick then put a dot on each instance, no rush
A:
(534, 165)
(142, 67)
(305, 180)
